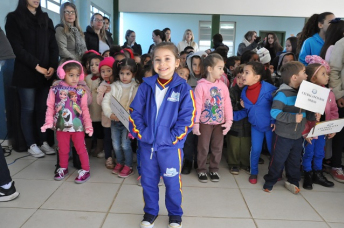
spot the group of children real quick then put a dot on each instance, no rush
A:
(168, 95)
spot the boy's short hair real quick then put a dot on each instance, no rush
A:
(238, 70)
(188, 47)
(183, 53)
(231, 61)
(290, 69)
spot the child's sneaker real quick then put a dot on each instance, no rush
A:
(161, 182)
(202, 177)
(82, 177)
(109, 163)
(253, 179)
(267, 190)
(214, 176)
(337, 174)
(34, 151)
(118, 168)
(148, 220)
(175, 222)
(60, 174)
(291, 187)
(47, 149)
(8, 194)
(101, 154)
(138, 181)
(234, 170)
(126, 172)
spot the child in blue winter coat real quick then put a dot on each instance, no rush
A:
(161, 116)
(256, 100)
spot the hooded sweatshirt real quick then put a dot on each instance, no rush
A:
(311, 46)
(284, 111)
(213, 103)
(193, 79)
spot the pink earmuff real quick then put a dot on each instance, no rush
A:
(61, 73)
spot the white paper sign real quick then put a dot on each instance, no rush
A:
(120, 112)
(312, 97)
(326, 127)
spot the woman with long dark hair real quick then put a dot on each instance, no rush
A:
(69, 35)
(273, 45)
(32, 36)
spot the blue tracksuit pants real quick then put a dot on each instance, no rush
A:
(315, 152)
(167, 162)
(257, 138)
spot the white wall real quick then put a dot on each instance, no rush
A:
(290, 8)
(179, 22)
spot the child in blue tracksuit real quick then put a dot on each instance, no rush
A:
(161, 116)
(256, 100)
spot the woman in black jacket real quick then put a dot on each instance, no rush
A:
(95, 35)
(130, 37)
(32, 36)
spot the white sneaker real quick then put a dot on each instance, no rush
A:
(47, 149)
(101, 154)
(35, 151)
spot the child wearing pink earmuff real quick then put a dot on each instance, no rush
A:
(68, 113)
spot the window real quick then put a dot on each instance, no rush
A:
(53, 5)
(227, 30)
(95, 9)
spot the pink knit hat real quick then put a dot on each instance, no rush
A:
(317, 59)
(107, 61)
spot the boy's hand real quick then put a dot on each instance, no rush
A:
(273, 126)
(227, 127)
(309, 140)
(317, 116)
(299, 118)
(108, 89)
(242, 103)
(195, 129)
(330, 136)
(340, 102)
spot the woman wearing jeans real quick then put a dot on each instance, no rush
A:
(32, 36)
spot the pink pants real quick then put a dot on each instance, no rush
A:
(78, 139)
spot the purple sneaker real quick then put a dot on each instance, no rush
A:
(60, 174)
(82, 177)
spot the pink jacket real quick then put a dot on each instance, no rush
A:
(52, 113)
(331, 113)
(106, 122)
(213, 103)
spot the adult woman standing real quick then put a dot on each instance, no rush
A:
(188, 40)
(167, 32)
(130, 38)
(69, 35)
(32, 36)
(273, 45)
(95, 34)
(157, 37)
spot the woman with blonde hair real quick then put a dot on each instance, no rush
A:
(69, 35)
(188, 40)
(95, 34)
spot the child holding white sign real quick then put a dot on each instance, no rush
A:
(314, 148)
(124, 90)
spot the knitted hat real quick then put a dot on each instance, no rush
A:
(317, 59)
(107, 61)
(264, 55)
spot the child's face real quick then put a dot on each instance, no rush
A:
(216, 72)
(137, 59)
(184, 73)
(106, 54)
(254, 58)
(106, 72)
(125, 76)
(240, 80)
(326, 23)
(249, 76)
(119, 57)
(196, 66)
(165, 63)
(183, 59)
(146, 60)
(287, 59)
(94, 66)
(300, 77)
(321, 78)
(288, 46)
(72, 77)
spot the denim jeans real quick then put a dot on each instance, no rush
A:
(5, 176)
(33, 108)
(107, 142)
(121, 144)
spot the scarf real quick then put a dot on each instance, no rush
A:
(247, 43)
(80, 45)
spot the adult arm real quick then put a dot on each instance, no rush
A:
(336, 64)
(53, 48)
(62, 41)
(242, 47)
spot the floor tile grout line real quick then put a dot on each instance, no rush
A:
(314, 209)
(242, 195)
(33, 161)
(113, 201)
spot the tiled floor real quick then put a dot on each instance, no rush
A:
(108, 201)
